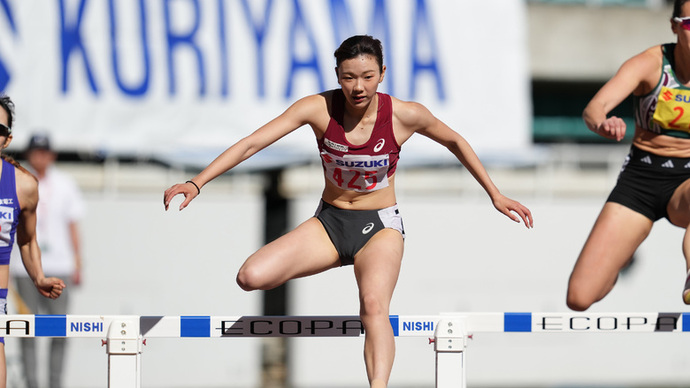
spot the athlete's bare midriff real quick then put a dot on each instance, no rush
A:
(353, 200)
(661, 145)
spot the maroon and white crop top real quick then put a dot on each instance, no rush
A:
(364, 167)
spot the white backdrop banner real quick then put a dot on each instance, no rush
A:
(184, 79)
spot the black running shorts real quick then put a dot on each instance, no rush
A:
(350, 230)
(647, 182)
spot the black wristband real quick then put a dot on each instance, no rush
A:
(197, 187)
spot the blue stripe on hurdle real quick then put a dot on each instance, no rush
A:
(686, 321)
(517, 322)
(395, 323)
(51, 325)
(195, 326)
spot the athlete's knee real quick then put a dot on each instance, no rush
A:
(579, 298)
(249, 279)
(372, 305)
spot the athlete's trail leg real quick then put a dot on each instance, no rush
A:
(377, 267)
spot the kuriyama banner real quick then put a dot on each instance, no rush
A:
(184, 79)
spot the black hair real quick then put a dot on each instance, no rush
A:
(678, 7)
(359, 45)
(7, 104)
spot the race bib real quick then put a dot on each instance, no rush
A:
(6, 221)
(356, 172)
(673, 109)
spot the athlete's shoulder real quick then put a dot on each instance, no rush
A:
(410, 112)
(25, 179)
(649, 59)
(27, 187)
(313, 101)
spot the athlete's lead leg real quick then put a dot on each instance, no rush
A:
(614, 238)
(289, 257)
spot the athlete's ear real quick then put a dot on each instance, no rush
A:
(383, 72)
(673, 27)
(337, 76)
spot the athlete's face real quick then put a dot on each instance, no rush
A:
(680, 28)
(359, 77)
(5, 138)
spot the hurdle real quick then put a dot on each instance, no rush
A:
(126, 334)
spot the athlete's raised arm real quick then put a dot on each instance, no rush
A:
(302, 112)
(414, 117)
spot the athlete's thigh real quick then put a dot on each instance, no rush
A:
(305, 250)
(377, 264)
(617, 233)
(678, 207)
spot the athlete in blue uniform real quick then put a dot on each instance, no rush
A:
(18, 202)
(653, 183)
(359, 132)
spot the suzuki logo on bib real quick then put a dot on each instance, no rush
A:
(379, 145)
(368, 228)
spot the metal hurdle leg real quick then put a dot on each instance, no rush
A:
(450, 342)
(124, 346)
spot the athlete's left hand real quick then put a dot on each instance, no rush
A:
(511, 207)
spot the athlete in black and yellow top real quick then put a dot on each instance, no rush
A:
(359, 132)
(654, 182)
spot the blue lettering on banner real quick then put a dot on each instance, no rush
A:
(86, 327)
(418, 326)
(4, 72)
(143, 86)
(187, 39)
(311, 63)
(77, 57)
(259, 31)
(72, 44)
(422, 28)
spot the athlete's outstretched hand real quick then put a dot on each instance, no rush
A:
(188, 189)
(50, 287)
(511, 207)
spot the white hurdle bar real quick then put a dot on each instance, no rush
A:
(125, 334)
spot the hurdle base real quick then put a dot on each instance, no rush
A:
(124, 347)
(450, 342)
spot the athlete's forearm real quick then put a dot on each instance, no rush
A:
(466, 155)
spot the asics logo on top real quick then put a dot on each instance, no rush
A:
(368, 228)
(379, 145)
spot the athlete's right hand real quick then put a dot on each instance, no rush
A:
(50, 287)
(187, 189)
(612, 128)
